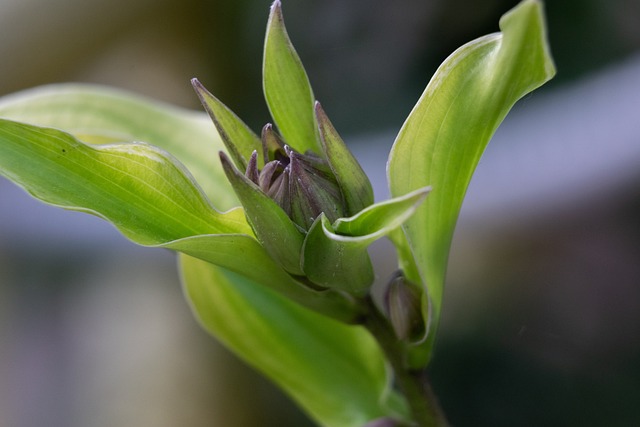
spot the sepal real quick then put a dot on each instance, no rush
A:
(275, 231)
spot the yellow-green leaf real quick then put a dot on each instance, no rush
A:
(443, 138)
(100, 115)
(335, 256)
(335, 372)
(140, 188)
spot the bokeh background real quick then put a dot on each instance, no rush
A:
(541, 320)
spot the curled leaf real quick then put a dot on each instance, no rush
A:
(335, 262)
(335, 256)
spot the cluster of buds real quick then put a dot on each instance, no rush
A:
(303, 185)
(305, 196)
(312, 212)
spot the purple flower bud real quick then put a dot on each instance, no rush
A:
(303, 185)
(382, 422)
(403, 306)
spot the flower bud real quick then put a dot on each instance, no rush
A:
(314, 190)
(403, 306)
(382, 422)
(303, 185)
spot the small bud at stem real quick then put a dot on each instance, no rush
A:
(402, 304)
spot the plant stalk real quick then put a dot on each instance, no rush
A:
(424, 406)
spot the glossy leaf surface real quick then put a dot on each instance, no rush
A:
(150, 198)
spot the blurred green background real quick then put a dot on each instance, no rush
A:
(541, 320)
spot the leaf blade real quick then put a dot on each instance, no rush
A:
(444, 136)
(335, 372)
(98, 115)
(141, 189)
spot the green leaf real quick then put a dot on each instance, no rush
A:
(286, 87)
(244, 255)
(335, 372)
(238, 138)
(354, 183)
(443, 138)
(380, 219)
(98, 115)
(151, 199)
(335, 256)
(141, 189)
(336, 262)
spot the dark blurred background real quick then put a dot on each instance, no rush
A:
(541, 320)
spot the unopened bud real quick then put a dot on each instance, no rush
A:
(314, 190)
(303, 185)
(382, 422)
(403, 306)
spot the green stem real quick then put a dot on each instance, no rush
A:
(424, 406)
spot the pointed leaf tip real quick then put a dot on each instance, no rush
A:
(196, 83)
(382, 218)
(238, 139)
